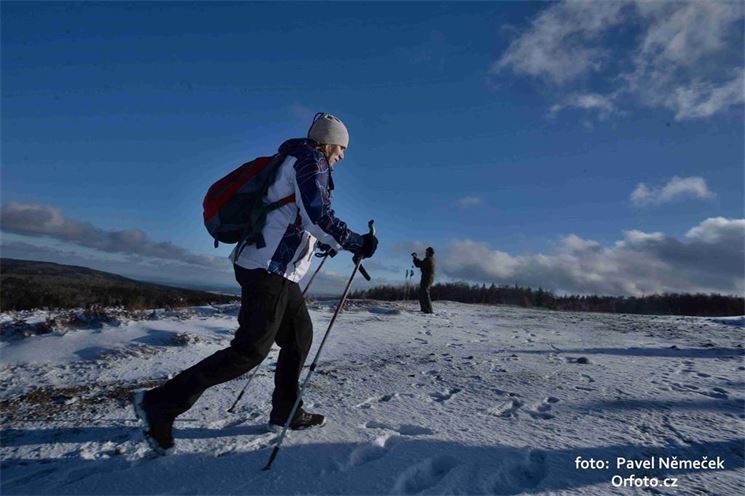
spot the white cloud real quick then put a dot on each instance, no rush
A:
(677, 187)
(39, 220)
(471, 259)
(602, 104)
(408, 247)
(718, 230)
(682, 33)
(576, 244)
(634, 237)
(701, 99)
(470, 201)
(711, 258)
(144, 269)
(686, 57)
(561, 45)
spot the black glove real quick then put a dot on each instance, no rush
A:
(369, 245)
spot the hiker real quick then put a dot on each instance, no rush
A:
(427, 267)
(272, 306)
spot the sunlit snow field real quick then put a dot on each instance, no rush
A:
(474, 399)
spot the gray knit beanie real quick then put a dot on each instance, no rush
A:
(328, 130)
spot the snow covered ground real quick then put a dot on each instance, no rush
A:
(471, 400)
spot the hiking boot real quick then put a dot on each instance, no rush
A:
(302, 420)
(157, 427)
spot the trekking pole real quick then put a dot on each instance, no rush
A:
(256, 369)
(406, 288)
(409, 277)
(411, 282)
(323, 261)
(357, 262)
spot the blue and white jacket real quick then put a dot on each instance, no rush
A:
(292, 231)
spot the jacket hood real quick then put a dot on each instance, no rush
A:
(300, 147)
(295, 143)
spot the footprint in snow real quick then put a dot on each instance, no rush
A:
(718, 393)
(519, 476)
(372, 451)
(370, 402)
(506, 409)
(681, 388)
(424, 475)
(374, 424)
(414, 430)
(403, 429)
(502, 392)
(541, 410)
(445, 396)
(581, 388)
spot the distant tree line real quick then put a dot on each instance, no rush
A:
(658, 304)
(27, 285)
(21, 294)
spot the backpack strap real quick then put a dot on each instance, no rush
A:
(257, 237)
(280, 203)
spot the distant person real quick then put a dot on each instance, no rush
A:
(427, 267)
(272, 306)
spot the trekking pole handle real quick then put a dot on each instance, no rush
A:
(357, 258)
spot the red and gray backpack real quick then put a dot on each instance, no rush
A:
(234, 207)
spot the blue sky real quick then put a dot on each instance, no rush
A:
(592, 148)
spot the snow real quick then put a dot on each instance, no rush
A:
(471, 400)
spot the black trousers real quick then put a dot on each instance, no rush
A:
(272, 310)
(425, 301)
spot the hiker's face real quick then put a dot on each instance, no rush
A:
(334, 153)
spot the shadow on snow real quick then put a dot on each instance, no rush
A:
(409, 465)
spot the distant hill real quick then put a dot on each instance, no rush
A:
(27, 284)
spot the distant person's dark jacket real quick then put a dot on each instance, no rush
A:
(428, 270)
